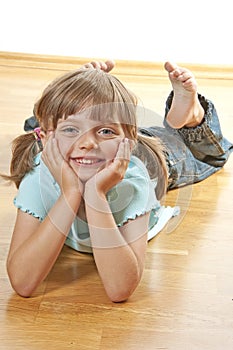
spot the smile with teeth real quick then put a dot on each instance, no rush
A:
(87, 161)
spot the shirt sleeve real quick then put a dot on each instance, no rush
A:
(134, 195)
(37, 192)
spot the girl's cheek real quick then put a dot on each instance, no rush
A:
(110, 147)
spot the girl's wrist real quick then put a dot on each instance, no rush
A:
(73, 191)
(63, 214)
(73, 198)
(91, 190)
(93, 198)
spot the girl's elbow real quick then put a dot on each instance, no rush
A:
(24, 289)
(121, 294)
(118, 298)
(24, 293)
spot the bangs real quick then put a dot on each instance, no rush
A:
(112, 112)
(99, 95)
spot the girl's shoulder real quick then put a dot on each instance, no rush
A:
(37, 191)
(31, 179)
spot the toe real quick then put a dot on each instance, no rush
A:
(110, 65)
(170, 67)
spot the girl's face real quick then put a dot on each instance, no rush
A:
(88, 145)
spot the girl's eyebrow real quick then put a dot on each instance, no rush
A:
(75, 120)
(67, 121)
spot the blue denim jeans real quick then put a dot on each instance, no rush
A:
(192, 154)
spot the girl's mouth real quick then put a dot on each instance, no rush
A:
(87, 161)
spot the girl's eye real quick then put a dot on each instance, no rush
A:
(107, 132)
(69, 130)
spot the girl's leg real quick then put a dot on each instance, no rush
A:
(192, 135)
(205, 141)
(185, 109)
(206, 148)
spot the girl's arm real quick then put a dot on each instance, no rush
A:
(119, 252)
(35, 246)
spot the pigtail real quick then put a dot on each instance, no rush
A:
(24, 149)
(152, 152)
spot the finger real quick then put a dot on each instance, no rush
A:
(52, 153)
(124, 150)
(120, 151)
(48, 149)
(132, 144)
(127, 150)
(128, 147)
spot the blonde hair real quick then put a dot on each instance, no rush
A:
(101, 93)
(151, 151)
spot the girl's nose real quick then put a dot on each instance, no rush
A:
(87, 142)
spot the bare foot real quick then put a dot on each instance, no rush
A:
(105, 66)
(186, 109)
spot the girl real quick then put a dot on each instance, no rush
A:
(97, 183)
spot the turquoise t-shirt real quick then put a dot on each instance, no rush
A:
(132, 197)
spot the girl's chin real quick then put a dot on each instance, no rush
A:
(85, 173)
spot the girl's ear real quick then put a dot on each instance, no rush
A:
(45, 133)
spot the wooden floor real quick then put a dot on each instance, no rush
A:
(185, 299)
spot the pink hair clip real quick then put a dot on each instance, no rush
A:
(37, 133)
(38, 138)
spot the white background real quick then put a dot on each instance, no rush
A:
(147, 30)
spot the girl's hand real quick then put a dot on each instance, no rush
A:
(114, 171)
(59, 167)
